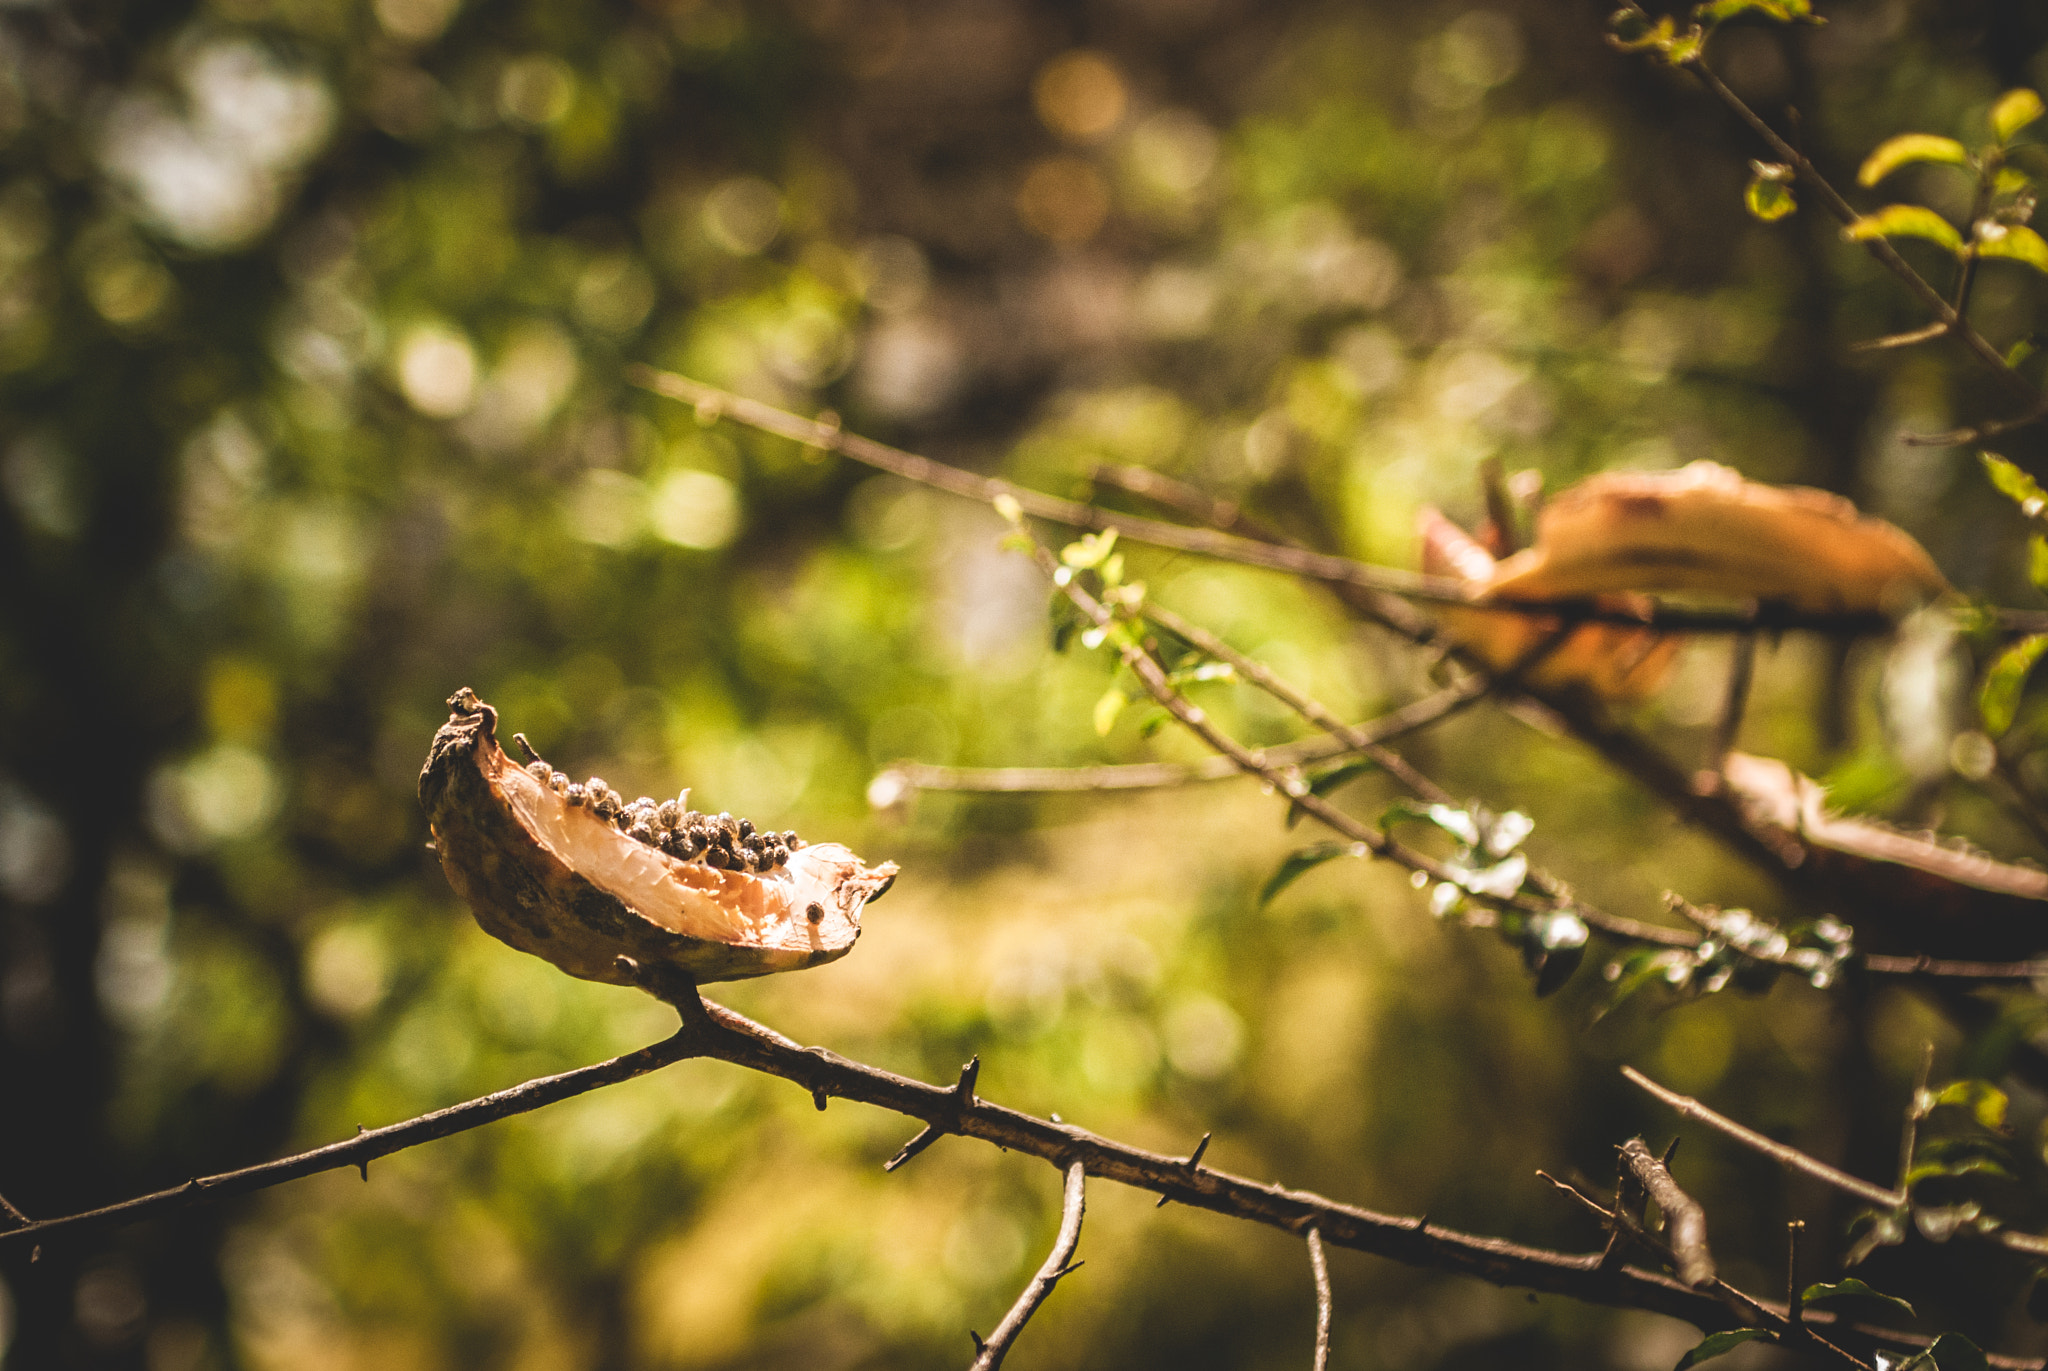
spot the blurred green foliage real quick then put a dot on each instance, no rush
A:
(313, 321)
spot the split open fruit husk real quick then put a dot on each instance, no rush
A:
(554, 879)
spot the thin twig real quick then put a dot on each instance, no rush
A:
(1788, 1157)
(1258, 674)
(1964, 437)
(1321, 1268)
(1795, 1308)
(1741, 670)
(1156, 775)
(12, 1217)
(1761, 617)
(1058, 1263)
(1226, 516)
(1685, 1223)
(1909, 1134)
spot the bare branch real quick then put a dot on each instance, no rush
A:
(1762, 617)
(1059, 1263)
(1685, 1222)
(1778, 1152)
(1198, 504)
(1321, 1268)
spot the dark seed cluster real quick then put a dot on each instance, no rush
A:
(717, 840)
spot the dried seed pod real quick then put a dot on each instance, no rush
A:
(575, 794)
(539, 770)
(667, 813)
(558, 781)
(746, 828)
(550, 878)
(641, 833)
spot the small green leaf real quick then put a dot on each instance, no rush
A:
(1906, 221)
(2014, 242)
(1999, 700)
(1769, 201)
(1331, 781)
(1906, 149)
(2014, 111)
(1298, 864)
(1848, 1286)
(2010, 181)
(2015, 484)
(1954, 1352)
(2022, 350)
(1155, 719)
(1089, 550)
(1719, 1344)
(2037, 561)
(1880, 1228)
(1107, 709)
(1983, 1099)
(1964, 1167)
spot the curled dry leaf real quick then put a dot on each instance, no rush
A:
(564, 881)
(1905, 893)
(1613, 660)
(1701, 529)
(1704, 528)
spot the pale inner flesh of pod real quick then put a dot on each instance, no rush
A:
(766, 910)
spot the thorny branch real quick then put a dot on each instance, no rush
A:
(1787, 1326)
(711, 1031)
(1058, 1263)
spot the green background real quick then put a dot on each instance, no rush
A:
(313, 325)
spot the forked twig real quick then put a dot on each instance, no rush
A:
(1058, 1263)
(1790, 1157)
(1685, 1223)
